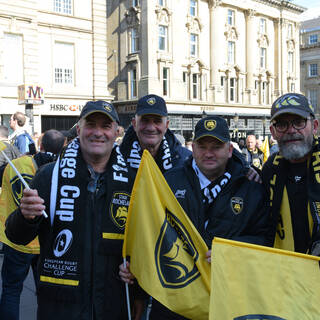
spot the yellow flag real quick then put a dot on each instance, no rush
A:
(2, 146)
(256, 282)
(265, 149)
(11, 193)
(167, 254)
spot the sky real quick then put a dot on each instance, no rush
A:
(307, 3)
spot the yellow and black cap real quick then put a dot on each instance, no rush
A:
(152, 104)
(293, 103)
(212, 126)
(100, 106)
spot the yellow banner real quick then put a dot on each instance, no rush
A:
(256, 282)
(11, 193)
(167, 254)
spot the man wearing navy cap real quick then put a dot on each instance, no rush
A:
(214, 191)
(150, 131)
(291, 176)
(86, 195)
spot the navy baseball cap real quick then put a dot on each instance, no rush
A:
(212, 126)
(152, 104)
(101, 107)
(293, 103)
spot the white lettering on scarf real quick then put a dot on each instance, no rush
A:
(167, 164)
(134, 157)
(120, 166)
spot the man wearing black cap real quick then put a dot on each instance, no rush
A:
(214, 191)
(292, 175)
(86, 195)
(150, 131)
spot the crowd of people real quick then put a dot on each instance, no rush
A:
(83, 181)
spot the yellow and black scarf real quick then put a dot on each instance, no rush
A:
(279, 202)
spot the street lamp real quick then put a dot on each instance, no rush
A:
(264, 120)
(236, 121)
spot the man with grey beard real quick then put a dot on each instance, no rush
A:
(292, 176)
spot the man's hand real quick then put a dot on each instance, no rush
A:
(253, 175)
(31, 204)
(208, 255)
(125, 274)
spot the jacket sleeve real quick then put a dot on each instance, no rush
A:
(21, 143)
(20, 230)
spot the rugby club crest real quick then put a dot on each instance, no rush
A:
(236, 205)
(175, 254)
(119, 208)
(17, 187)
(210, 124)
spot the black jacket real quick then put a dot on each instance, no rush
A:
(102, 293)
(249, 225)
(178, 153)
(254, 158)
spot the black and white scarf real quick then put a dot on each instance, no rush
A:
(210, 189)
(163, 157)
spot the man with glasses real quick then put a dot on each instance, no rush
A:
(292, 175)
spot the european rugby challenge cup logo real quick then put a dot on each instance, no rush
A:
(175, 254)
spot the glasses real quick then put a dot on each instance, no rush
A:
(298, 124)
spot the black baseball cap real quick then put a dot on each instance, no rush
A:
(293, 103)
(152, 104)
(212, 126)
(101, 107)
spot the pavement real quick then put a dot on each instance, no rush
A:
(28, 301)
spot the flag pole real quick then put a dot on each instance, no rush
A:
(20, 177)
(127, 291)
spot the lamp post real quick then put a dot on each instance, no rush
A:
(264, 120)
(236, 121)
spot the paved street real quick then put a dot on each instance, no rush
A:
(28, 304)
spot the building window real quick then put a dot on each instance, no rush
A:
(193, 45)
(133, 83)
(231, 49)
(292, 87)
(12, 58)
(135, 3)
(264, 92)
(62, 6)
(195, 86)
(230, 18)
(313, 98)
(313, 70)
(290, 62)
(193, 8)
(290, 30)
(165, 81)
(232, 90)
(134, 40)
(163, 38)
(186, 83)
(64, 63)
(263, 58)
(262, 26)
(222, 81)
(313, 38)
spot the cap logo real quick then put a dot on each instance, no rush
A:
(290, 101)
(210, 124)
(108, 108)
(151, 101)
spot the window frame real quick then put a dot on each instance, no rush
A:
(163, 38)
(262, 25)
(315, 36)
(313, 70)
(134, 40)
(231, 52)
(263, 58)
(194, 45)
(133, 83)
(63, 6)
(231, 17)
(165, 81)
(193, 10)
(64, 73)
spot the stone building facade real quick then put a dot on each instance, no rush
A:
(231, 58)
(310, 61)
(61, 47)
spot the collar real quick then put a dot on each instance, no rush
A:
(204, 181)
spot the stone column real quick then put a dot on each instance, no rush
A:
(216, 41)
(251, 52)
